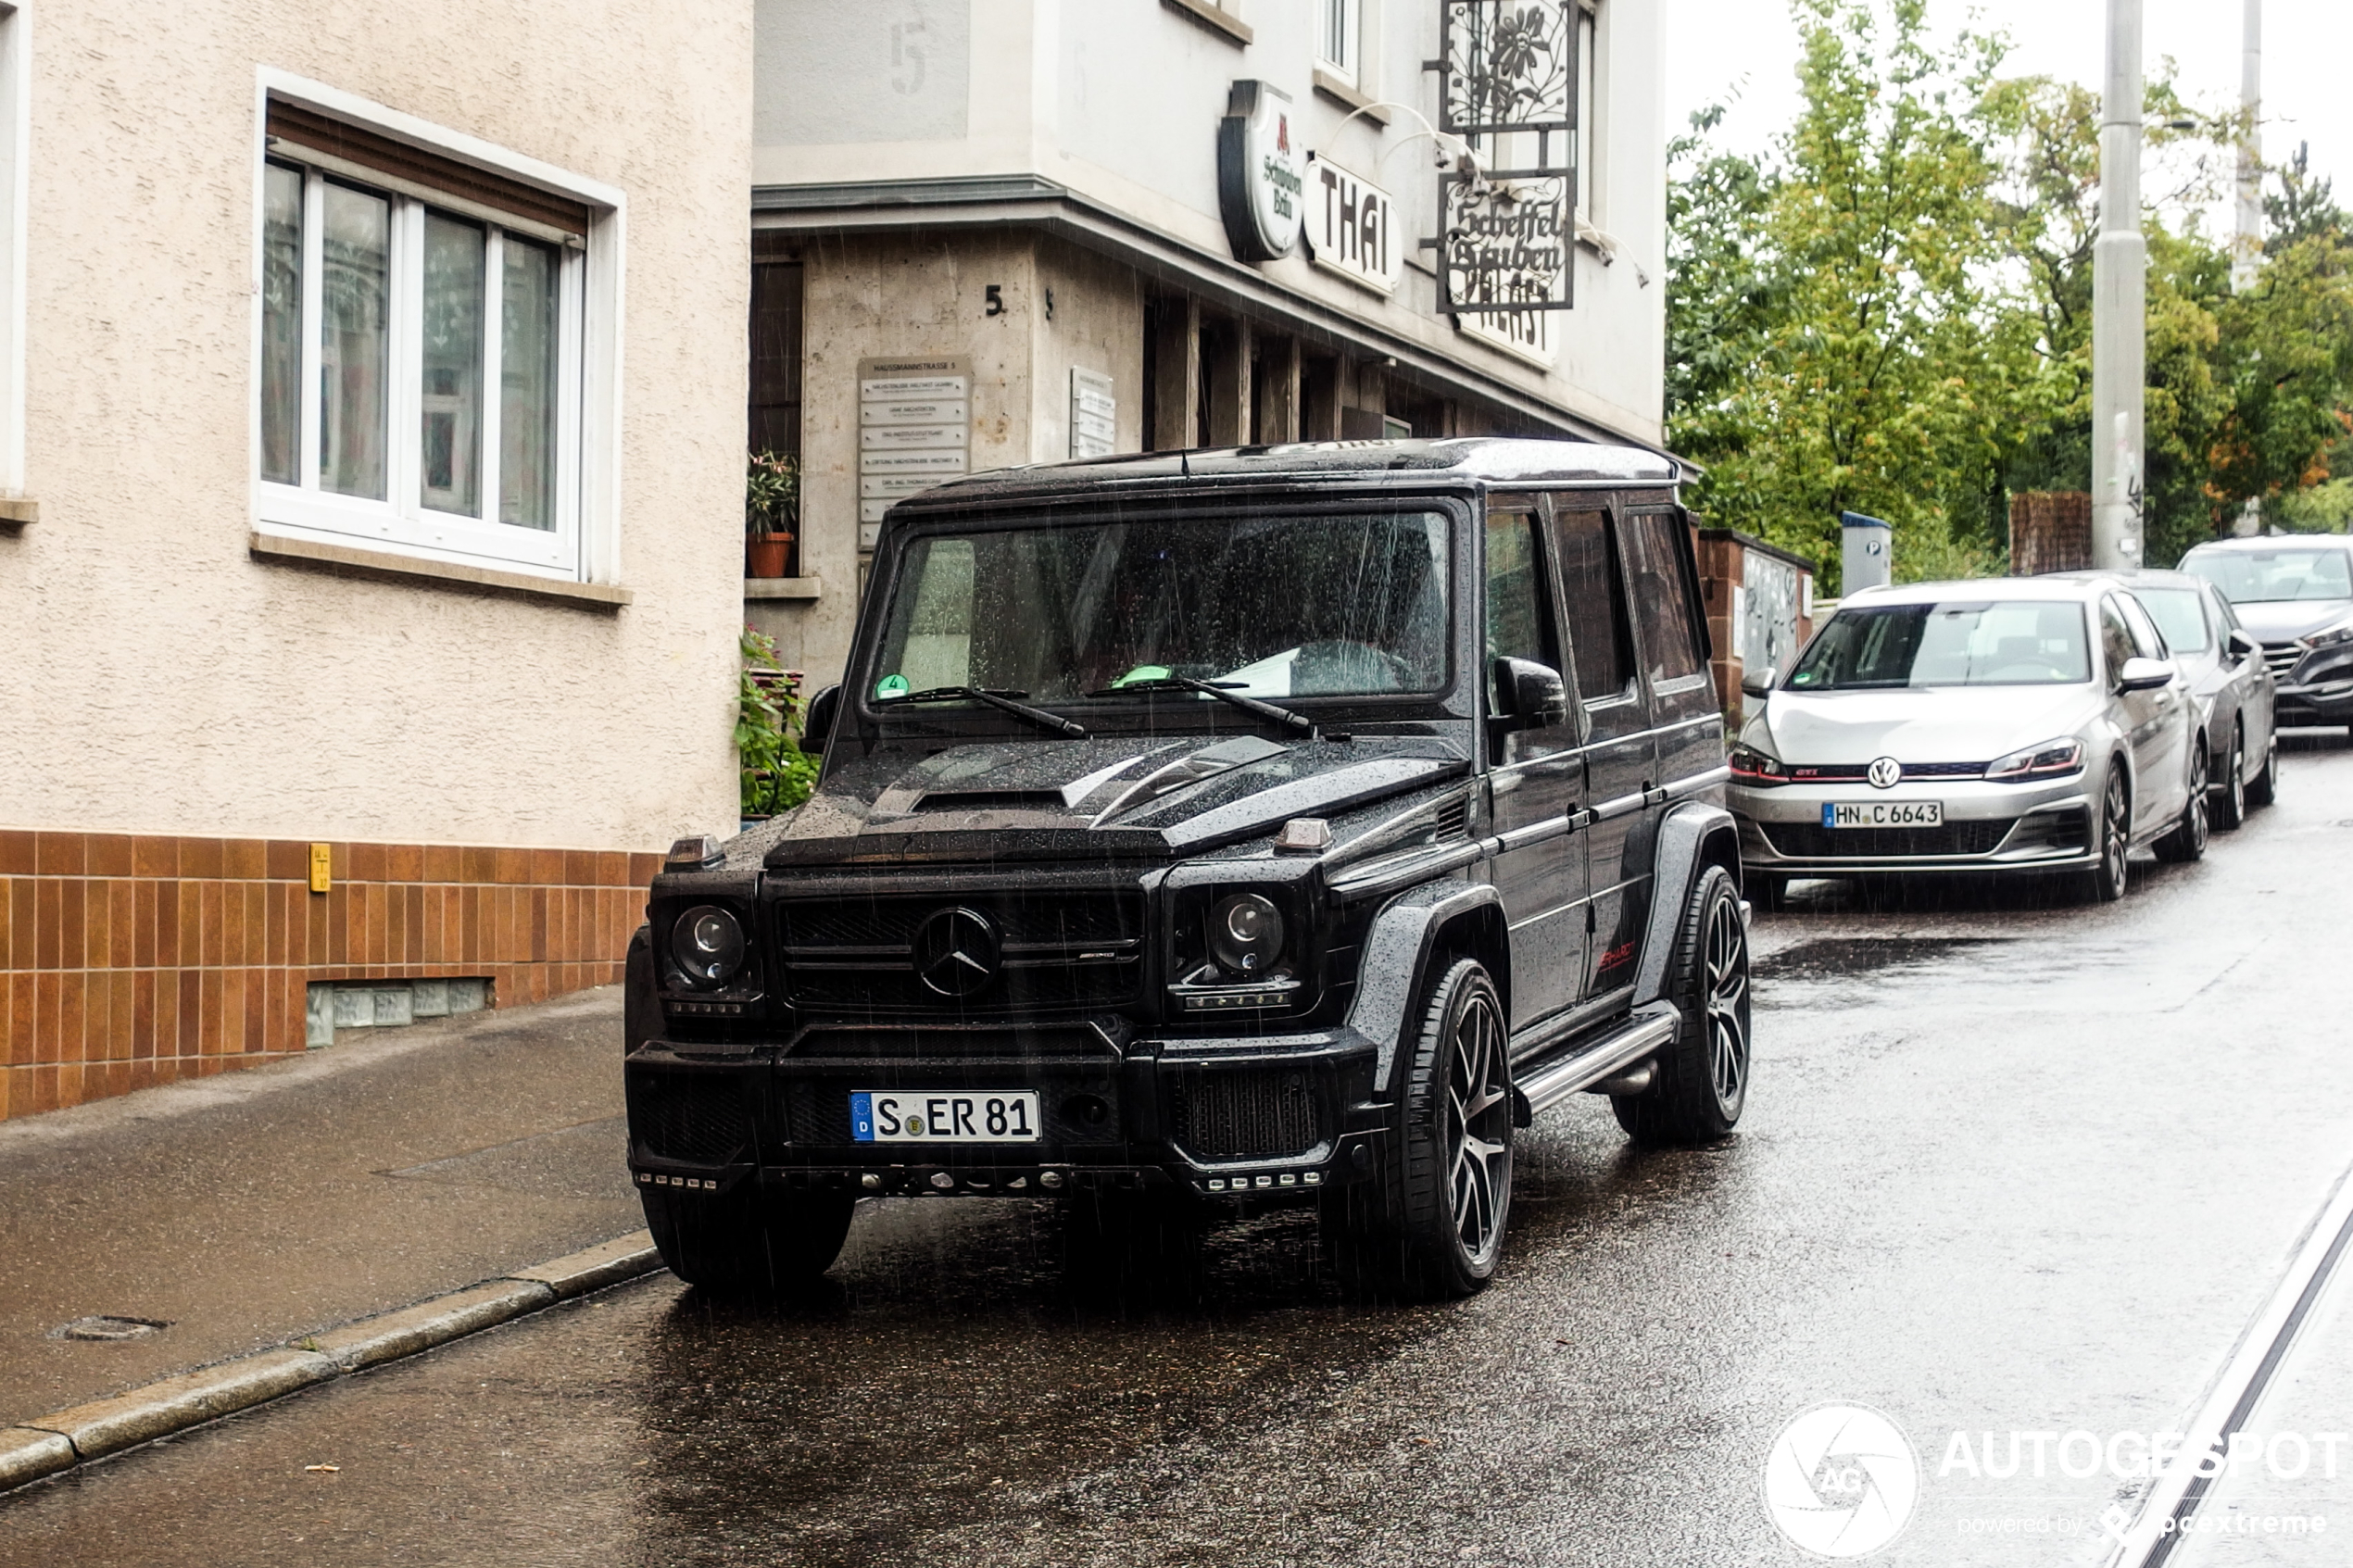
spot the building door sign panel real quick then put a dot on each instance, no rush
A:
(914, 430)
(1094, 414)
(1351, 227)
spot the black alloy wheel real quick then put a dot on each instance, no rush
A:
(1430, 1223)
(1700, 1082)
(2187, 841)
(2230, 808)
(2265, 787)
(2107, 881)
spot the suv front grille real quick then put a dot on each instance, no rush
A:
(2282, 657)
(695, 1117)
(1058, 947)
(1258, 1114)
(1811, 840)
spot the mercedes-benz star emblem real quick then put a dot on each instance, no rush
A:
(1886, 773)
(956, 952)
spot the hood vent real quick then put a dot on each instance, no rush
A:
(1454, 820)
(992, 800)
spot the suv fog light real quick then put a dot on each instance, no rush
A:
(1050, 1179)
(942, 1180)
(871, 1182)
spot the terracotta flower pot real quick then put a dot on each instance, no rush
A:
(765, 553)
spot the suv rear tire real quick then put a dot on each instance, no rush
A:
(1428, 1224)
(1701, 1080)
(745, 1240)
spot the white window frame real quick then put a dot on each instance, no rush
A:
(15, 169)
(583, 545)
(1352, 12)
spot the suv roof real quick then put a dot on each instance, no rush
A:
(1479, 459)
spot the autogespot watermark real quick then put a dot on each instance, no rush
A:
(1842, 1481)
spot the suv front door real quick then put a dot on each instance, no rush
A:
(1534, 776)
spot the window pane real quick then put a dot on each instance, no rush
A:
(1515, 623)
(356, 270)
(450, 472)
(527, 385)
(1669, 638)
(1596, 618)
(282, 324)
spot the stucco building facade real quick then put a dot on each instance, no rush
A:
(372, 388)
(998, 231)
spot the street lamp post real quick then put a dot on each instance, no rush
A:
(2247, 248)
(2120, 267)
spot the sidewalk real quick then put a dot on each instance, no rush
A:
(255, 1208)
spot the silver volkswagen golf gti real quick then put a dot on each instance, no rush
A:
(2023, 725)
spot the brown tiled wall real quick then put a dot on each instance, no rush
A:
(126, 961)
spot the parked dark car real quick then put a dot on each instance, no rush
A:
(2295, 593)
(1206, 831)
(2231, 687)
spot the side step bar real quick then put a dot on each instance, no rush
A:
(1552, 1082)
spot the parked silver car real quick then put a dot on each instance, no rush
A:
(2024, 725)
(2230, 684)
(2295, 592)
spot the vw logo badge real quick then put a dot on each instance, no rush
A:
(1885, 772)
(956, 951)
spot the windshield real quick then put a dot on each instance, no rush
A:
(1997, 642)
(2255, 576)
(2177, 614)
(1268, 607)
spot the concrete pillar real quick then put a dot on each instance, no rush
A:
(1177, 376)
(1278, 365)
(1226, 365)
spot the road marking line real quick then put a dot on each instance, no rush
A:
(2262, 1348)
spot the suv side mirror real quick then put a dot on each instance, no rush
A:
(2242, 646)
(2145, 675)
(1539, 699)
(1759, 684)
(817, 725)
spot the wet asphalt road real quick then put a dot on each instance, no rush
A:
(2007, 1166)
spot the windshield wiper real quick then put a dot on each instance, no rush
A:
(1003, 701)
(1283, 716)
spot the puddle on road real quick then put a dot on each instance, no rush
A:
(1828, 958)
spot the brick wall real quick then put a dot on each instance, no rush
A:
(129, 960)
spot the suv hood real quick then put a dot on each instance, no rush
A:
(1920, 725)
(2284, 621)
(1142, 795)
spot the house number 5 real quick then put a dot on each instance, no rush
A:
(996, 300)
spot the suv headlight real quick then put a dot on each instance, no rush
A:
(2330, 636)
(1245, 935)
(1752, 767)
(2050, 760)
(707, 946)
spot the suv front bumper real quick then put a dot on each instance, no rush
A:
(1261, 1116)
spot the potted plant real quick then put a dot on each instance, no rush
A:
(772, 506)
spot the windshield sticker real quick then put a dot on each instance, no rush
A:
(891, 686)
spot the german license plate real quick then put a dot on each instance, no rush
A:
(944, 1116)
(1883, 814)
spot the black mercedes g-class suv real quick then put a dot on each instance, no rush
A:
(1282, 824)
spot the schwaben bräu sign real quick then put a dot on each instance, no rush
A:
(1261, 172)
(1510, 93)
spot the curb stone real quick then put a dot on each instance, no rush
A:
(48, 1444)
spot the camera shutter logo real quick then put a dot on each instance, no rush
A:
(1841, 1481)
(1885, 772)
(956, 951)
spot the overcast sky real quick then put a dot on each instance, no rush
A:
(2307, 61)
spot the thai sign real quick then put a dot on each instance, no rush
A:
(1352, 227)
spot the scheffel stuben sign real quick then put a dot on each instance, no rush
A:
(1261, 172)
(1352, 227)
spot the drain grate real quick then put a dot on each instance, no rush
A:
(108, 1327)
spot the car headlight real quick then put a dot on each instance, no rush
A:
(707, 944)
(2330, 636)
(2050, 760)
(1245, 933)
(1751, 766)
